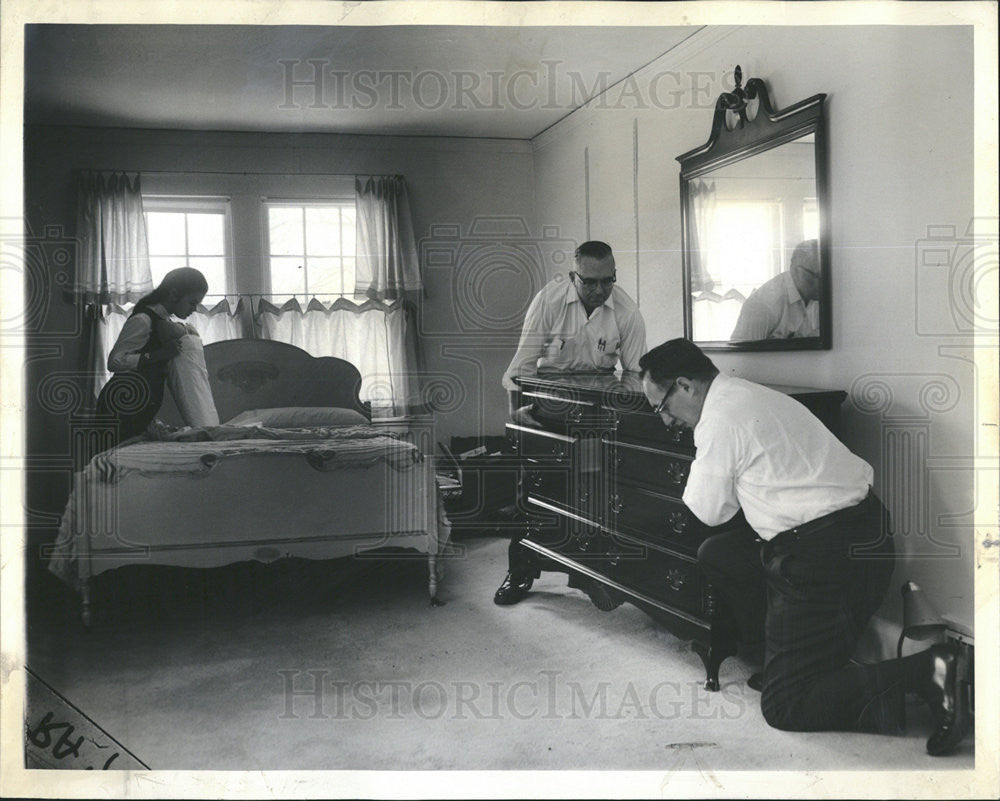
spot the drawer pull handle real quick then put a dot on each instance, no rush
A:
(616, 505)
(677, 472)
(678, 522)
(575, 414)
(676, 579)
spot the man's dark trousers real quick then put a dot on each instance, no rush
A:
(823, 583)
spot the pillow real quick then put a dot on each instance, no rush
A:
(299, 417)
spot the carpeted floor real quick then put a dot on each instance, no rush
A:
(345, 665)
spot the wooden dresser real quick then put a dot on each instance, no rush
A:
(601, 484)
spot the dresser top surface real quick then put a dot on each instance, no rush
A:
(628, 386)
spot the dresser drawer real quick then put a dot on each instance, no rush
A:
(646, 428)
(539, 445)
(550, 483)
(570, 535)
(673, 581)
(565, 413)
(654, 517)
(667, 472)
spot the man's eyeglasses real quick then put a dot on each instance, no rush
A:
(662, 405)
(592, 283)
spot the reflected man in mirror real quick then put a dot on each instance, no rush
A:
(585, 324)
(816, 562)
(787, 305)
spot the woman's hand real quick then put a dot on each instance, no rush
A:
(166, 352)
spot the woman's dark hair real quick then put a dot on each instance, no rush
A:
(181, 281)
(674, 358)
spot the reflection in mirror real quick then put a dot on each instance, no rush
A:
(754, 214)
(754, 254)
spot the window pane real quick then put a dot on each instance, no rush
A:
(214, 270)
(165, 233)
(348, 222)
(287, 276)
(159, 266)
(205, 234)
(323, 231)
(285, 230)
(349, 275)
(324, 276)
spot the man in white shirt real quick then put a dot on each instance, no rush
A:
(787, 305)
(823, 547)
(583, 324)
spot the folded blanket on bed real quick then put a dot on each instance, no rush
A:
(188, 381)
(195, 451)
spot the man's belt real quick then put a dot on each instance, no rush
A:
(869, 503)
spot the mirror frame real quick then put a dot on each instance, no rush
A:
(749, 137)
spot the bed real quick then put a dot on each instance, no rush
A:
(299, 472)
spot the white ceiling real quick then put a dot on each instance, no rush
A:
(520, 80)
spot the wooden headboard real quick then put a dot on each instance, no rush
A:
(263, 374)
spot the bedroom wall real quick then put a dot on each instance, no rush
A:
(464, 194)
(901, 171)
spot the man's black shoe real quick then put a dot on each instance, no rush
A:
(947, 694)
(604, 598)
(513, 589)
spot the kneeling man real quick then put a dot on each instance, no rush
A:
(823, 552)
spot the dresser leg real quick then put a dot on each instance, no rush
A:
(721, 645)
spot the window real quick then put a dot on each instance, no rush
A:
(189, 232)
(810, 218)
(310, 249)
(741, 252)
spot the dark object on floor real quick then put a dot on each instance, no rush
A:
(946, 692)
(756, 682)
(489, 470)
(512, 590)
(602, 596)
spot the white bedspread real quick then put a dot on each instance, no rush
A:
(236, 493)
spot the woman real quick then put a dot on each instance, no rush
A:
(141, 356)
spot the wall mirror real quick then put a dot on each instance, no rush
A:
(754, 221)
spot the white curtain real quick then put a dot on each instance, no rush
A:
(387, 264)
(374, 337)
(702, 196)
(113, 256)
(220, 322)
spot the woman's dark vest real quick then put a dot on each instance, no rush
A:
(133, 397)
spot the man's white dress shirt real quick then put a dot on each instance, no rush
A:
(776, 310)
(557, 333)
(762, 450)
